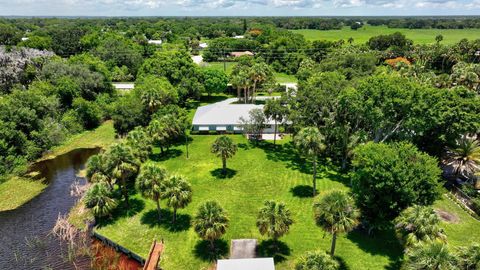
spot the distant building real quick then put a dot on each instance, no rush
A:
(155, 41)
(123, 86)
(239, 37)
(203, 45)
(238, 54)
(24, 38)
(246, 264)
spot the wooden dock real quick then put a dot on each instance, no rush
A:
(154, 256)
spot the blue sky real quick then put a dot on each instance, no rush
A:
(238, 8)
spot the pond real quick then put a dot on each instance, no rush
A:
(25, 233)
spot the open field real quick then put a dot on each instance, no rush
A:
(257, 173)
(17, 191)
(280, 77)
(419, 36)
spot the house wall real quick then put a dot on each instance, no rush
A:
(230, 128)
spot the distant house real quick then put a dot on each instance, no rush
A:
(225, 116)
(203, 45)
(238, 54)
(155, 41)
(25, 38)
(123, 86)
(239, 37)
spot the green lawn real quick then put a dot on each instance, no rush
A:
(362, 35)
(18, 191)
(280, 77)
(258, 174)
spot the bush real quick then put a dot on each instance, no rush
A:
(88, 113)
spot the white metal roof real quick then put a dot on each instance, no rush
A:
(224, 113)
(124, 86)
(246, 264)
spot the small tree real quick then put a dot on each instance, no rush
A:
(275, 110)
(99, 199)
(150, 183)
(469, 257)
(439, 38)
(211, 222)
(434, 255)
(274, 220)
(418, 224)
(225, 148)
(215, 81)
(464, 157)
(317, 260)
(309, 141)
(336, 213)
(254, 125)
(178, 193)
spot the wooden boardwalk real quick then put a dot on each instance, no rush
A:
(154, 256)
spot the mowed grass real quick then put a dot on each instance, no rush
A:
(256, 174)
(18, 191)
(228, 67)
(102, 136)
(362, 35)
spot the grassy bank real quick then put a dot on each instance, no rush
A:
(362, 35)
(257, 174)
(17, 191)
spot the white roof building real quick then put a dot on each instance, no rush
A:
(155, 41)
(225, 116)
(238, 37)
(124, 86)
(203, 45)
(246, 264)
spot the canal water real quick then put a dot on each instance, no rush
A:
(25, 233)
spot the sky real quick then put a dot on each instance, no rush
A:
(238, 7)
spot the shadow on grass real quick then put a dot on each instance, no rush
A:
(276, 249)
(244, 146)
(220, 174)
(167, 154)
(204, 252)
(150, 218)
(379, 243)
(136, 206)
(302, 191)
(342, 264)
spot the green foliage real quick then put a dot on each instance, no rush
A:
(224, 148)
(178, 193)
(155, 92)
(274, 219)
(396, 41)
(9, 35)
(316, 260)
(400, 170)
(99, 199)
(37, 42)
(87, 112)
(435, 255)
(211, 221)
(255, 123)
(215, 81)
(150, 182)
(469, 257)
(418, 224)
(128, 113)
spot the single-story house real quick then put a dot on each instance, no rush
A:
(239, 37)
(123, 86)
(238, 54)
(225, 116)
(203, 45)
(246, 264)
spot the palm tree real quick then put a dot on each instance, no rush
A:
(310, 143)
(211, 222)
(433, 255)
(151, 98)
(140, 142)
(178, 193)
(97, 170)
(157, 131)
(123, 164)
(418, 224)
(336, 213)
(150, 183)
(469, 257)
(258, 73)
(274, 220)
(241, 81)
(465, 157)
(99, 198)
(225, 148)
(317, 260)
(275, 110)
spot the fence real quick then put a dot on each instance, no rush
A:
(119, 248)
(464, 200)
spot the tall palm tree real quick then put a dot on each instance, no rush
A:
(150, 183)
(157, 131)
(178, 193)
(310, 142)
(336, 213)
(151, 98)
(433, 255)
(317, 260)
(275, 110)
(242, 82)
(465, 157)
(99, 198)
(225, 148)
(259, 73)
(140, 142)
(274, 220)
(97, 170)
(211, 222)
(123, 164)
(418, 224)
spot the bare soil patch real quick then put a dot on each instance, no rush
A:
(447, 216)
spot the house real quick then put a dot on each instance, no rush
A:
(225, 116)
(203, 45)
(123, 86)
(239, 37)
(238, 54)
(155, 41)
(246, 264)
